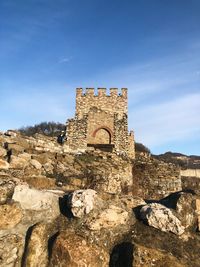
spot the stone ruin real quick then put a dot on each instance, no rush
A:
(101, 122)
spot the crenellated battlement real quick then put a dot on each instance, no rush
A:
(101, 92)
(110, 100)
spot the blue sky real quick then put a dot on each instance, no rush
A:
(48, 48)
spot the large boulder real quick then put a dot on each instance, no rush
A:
(11, 215)
(111, 217)
(162, 218)
(39, 243)
(81, 202)
(71, 249)
(37, 200)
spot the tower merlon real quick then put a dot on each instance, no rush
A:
(124, 92)
(113, 91)
(90, 91)
(79, 92)
(101, 91)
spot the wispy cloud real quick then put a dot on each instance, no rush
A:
(64, 60)
(162, 123)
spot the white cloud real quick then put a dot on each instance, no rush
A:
(173, 120)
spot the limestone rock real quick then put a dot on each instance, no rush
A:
(25, 156)
(38, 200)
(48, 167)
(198, 213)
(37, 248)
(113, 184)
(6, 190)
(18, 163)
(185, 208)
(3, 152)
(109, 218)
(162, 218)
(82, 202)
(73, 250)
(11, 215)
(11, 250)
(4, 164)
(36, 164)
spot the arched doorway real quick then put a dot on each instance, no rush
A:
(102, 135)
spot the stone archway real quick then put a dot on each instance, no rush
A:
(102, 135)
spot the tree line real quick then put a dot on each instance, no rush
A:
(46, 128)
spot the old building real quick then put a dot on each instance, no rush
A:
(101, 121)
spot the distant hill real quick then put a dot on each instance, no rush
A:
(184, 161)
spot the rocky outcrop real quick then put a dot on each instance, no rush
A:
(68, 209)
(71, 249)
(162, 218)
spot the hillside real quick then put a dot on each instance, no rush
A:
(184, 161)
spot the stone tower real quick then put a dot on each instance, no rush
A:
(101, 121)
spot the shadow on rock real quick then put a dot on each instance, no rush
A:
(64, 206)
(122, 255)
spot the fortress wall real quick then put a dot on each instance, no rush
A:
(154, 179)
(77, 133)
(191, 173)
(191, 180)
(121, 133)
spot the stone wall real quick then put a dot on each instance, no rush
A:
(191, 184)
(154, 179)
(121, 133)
(113, 103)
(191, 173)
(76, 132)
